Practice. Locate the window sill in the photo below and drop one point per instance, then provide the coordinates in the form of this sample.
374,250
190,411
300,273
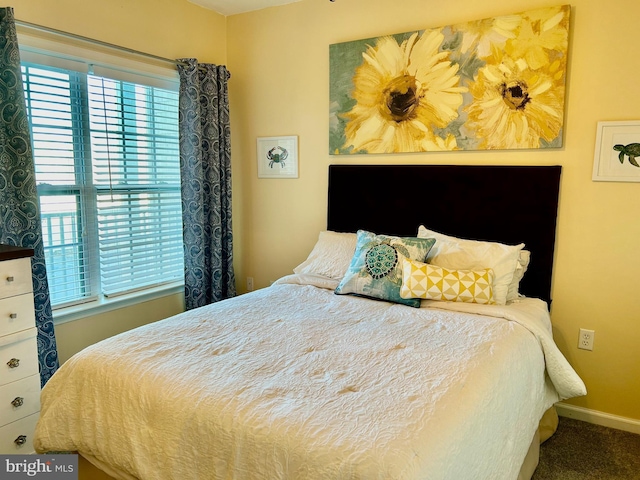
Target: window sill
103,305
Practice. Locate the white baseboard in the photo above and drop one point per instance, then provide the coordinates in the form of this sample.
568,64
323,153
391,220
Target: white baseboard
598,418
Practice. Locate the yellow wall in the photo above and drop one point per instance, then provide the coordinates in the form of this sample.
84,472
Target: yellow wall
166,28
279,59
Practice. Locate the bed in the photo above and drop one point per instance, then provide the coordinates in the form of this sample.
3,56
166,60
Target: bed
312,378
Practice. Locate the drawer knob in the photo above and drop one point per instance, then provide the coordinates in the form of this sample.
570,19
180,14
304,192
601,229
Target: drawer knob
17,402
13,315
10,279
21,440
14,363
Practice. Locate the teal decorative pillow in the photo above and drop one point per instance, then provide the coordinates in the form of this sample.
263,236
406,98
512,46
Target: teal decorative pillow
376,267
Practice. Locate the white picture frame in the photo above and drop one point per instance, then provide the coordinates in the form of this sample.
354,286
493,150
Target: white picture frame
613,140
277,157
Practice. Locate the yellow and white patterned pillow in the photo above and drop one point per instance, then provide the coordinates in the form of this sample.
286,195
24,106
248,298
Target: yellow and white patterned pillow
430,282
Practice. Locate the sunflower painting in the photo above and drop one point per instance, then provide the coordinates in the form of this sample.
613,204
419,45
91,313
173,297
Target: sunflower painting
497,83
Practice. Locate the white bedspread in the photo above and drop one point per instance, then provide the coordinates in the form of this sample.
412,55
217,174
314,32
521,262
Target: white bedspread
294,382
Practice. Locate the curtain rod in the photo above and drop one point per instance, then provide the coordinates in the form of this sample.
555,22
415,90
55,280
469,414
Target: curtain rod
96,42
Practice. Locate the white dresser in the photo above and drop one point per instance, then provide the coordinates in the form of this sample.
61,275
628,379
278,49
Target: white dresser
19,371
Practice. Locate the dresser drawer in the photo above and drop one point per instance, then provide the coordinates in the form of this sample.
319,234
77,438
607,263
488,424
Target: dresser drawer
19,349
10,435
16,313
15,277
19,399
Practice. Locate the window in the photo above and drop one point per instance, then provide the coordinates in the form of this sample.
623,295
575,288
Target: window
108,179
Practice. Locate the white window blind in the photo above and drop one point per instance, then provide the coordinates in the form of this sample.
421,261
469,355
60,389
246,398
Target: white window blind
107,170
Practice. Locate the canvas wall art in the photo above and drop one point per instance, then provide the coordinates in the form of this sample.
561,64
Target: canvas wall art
497,83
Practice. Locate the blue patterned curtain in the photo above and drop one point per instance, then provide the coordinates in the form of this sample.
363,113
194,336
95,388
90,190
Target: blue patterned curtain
19,210
205,169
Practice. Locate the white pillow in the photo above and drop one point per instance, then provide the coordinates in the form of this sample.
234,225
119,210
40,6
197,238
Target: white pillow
521,268
460,254
330,256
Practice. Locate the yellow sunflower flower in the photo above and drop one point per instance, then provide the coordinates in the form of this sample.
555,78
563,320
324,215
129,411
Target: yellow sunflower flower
402,92
543,31
515,106
439,144
482,34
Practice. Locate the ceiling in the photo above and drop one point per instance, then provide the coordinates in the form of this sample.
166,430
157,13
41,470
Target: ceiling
232,7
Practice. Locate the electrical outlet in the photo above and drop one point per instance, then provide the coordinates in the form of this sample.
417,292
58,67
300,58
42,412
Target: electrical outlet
249,284
585,341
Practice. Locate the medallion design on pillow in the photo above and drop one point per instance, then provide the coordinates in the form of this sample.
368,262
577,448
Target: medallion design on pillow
380,260
375,270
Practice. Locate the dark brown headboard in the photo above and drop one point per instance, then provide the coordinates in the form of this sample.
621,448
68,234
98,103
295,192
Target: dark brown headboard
504,204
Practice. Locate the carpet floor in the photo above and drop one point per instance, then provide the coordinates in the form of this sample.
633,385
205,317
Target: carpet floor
583,451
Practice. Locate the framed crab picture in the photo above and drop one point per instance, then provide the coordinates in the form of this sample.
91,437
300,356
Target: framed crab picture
278,157
617,155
